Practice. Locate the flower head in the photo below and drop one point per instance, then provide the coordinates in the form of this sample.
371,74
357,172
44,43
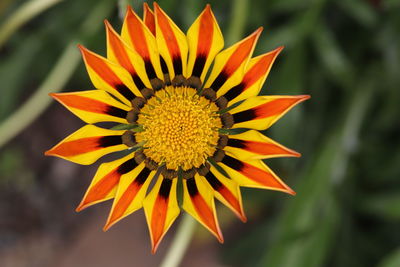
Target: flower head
177,121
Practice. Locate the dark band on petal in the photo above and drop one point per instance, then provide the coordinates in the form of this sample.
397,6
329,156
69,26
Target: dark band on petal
110,140
151,73
116,112
165,188
177,63
138,82
127,166
233,163
245,115
192,187
199,65
213,181
219,81
142,176
235,91
125,91
236,143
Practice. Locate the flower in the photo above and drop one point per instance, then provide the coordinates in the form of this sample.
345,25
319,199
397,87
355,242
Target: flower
176,121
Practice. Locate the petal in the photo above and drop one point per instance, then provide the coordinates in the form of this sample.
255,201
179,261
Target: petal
260,112
140,38
254,145
108,76
105,182
229,64
227,191
88,144
131,191
161,209
148,18
255,74
198,201
119,51
205,41
93,106
253,173
172,43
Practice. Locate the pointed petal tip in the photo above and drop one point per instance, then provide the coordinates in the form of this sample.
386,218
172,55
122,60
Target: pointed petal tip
107,23
290,191
296,154
242,217
146,7
110,222
279,49
220,238
154,246
49,152
83,205
81,47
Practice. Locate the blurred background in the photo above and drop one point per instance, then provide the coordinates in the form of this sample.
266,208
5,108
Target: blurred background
345,54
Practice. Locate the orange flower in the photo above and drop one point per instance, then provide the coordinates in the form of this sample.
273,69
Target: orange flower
177,124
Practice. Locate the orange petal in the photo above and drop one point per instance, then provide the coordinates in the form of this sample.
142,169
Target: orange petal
230,63
148,18
120,52
227,191
198,201
253,173
130,194
104,183
171,43
260,112
254,145
93,106
109,76
138,35
205,41
88,144
161,209
255,74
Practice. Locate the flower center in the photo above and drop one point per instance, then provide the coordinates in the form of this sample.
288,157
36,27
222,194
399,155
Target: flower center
180,128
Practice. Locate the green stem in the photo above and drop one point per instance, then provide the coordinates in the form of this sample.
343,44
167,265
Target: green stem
23,14
180,243
54,82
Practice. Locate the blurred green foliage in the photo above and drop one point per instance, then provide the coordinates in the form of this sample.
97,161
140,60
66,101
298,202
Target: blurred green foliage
345,54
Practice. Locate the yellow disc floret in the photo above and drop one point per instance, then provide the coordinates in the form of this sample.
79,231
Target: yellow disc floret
180,128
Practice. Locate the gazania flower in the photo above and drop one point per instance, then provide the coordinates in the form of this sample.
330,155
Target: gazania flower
176,121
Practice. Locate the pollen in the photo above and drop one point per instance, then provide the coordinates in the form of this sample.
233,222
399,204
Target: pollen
180,128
